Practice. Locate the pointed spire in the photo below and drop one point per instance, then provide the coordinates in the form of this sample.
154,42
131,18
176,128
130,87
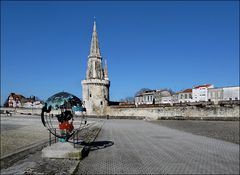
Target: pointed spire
105,70
94,50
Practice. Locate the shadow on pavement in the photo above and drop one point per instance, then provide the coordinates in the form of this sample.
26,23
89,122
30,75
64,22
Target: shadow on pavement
93,146
99,145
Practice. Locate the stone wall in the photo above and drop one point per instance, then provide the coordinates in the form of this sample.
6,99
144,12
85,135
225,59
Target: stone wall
26,111
155,113
176,112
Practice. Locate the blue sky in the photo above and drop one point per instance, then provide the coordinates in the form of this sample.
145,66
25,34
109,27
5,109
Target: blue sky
158,44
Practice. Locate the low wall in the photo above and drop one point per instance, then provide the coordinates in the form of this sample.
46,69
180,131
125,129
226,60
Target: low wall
176,112
27,111
155,113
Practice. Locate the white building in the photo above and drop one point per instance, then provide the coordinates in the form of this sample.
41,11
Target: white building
35,104
175,98
185,96
146,97
162,96
200,93
165,100
231,93
153,97
215,94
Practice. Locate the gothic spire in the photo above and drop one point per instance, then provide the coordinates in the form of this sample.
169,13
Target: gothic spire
94,51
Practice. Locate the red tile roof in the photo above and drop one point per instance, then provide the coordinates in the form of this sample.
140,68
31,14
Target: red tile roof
15,96
184,91
187,90
205,85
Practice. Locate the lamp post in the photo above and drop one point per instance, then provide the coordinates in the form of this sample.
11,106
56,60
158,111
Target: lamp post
32,107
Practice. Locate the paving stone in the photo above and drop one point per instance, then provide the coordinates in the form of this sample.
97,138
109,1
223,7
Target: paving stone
145,148
34,163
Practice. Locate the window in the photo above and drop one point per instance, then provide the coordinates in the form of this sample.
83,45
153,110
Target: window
101,103
185,96
104,93
90,95
190,96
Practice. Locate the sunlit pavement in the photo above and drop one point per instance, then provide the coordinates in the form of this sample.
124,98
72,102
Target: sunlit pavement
144,148
17,132
20,131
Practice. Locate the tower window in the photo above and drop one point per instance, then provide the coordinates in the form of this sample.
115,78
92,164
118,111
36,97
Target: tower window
90,95
101,103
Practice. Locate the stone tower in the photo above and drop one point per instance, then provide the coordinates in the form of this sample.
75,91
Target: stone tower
95,88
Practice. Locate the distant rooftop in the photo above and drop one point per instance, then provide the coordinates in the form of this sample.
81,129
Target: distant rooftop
205,85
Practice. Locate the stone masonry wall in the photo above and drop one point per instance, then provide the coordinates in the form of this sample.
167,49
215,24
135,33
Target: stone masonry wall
155,113
185,112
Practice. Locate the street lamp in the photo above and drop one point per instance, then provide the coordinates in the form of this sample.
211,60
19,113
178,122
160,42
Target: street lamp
32,107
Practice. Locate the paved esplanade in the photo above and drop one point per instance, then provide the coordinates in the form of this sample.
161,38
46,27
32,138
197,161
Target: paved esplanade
143,148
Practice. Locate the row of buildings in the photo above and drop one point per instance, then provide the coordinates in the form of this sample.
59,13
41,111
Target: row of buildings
17,101
201,93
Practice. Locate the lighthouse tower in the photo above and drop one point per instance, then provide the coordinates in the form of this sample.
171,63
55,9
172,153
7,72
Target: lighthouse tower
95,87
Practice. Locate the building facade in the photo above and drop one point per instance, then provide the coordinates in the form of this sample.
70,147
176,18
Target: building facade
19,101
215,95
153,97
162,96
95,88
175,98
167,100
200,93
231,93
146,97
14,100
185,96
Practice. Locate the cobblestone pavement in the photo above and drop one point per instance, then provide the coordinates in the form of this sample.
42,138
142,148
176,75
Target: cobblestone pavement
19,131
145,148
223,130
34,163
